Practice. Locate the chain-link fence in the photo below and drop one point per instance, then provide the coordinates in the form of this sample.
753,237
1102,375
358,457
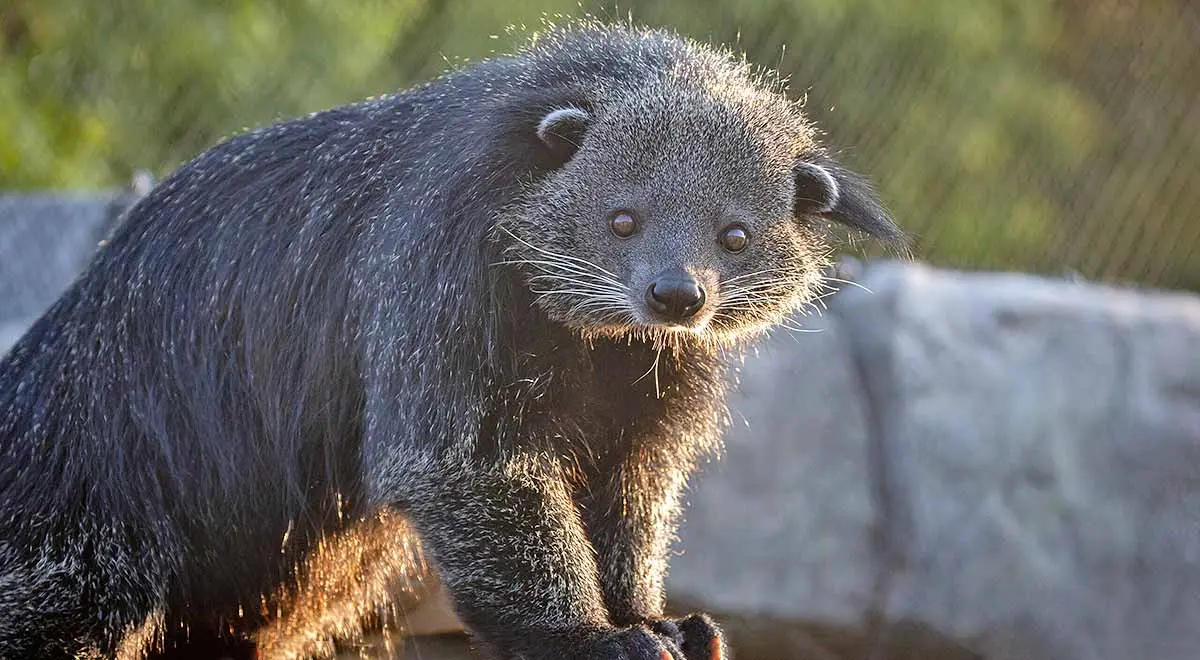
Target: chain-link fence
1051,136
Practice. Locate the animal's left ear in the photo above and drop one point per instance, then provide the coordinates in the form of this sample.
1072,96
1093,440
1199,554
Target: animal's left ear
539,130
561,131
829,190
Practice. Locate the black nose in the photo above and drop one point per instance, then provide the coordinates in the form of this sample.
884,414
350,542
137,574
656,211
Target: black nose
675,295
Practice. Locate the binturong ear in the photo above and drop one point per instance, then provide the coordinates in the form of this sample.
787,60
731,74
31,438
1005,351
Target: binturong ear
823,188
561,131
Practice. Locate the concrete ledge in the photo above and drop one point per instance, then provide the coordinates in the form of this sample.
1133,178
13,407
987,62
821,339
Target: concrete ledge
1011,461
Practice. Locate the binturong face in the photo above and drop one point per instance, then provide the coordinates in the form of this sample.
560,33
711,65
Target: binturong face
682,215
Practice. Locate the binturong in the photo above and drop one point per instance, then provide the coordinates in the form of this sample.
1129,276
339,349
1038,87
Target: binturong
490,315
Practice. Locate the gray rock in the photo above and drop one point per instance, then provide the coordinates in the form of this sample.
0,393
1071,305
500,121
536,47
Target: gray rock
1046,446
1028,469
799,437
45,241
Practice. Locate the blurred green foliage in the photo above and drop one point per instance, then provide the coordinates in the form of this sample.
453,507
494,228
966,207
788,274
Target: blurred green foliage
1045,135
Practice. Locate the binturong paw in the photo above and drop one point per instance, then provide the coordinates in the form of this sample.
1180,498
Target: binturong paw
636,643
696,635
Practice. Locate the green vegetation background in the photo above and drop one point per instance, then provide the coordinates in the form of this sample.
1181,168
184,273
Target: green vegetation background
1058,136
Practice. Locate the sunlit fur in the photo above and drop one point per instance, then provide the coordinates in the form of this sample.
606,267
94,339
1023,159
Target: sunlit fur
363,573
407,317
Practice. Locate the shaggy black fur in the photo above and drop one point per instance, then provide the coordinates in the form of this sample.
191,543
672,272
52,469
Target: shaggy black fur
315,322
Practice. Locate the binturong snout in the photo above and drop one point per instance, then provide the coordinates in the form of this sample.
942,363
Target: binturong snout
675,296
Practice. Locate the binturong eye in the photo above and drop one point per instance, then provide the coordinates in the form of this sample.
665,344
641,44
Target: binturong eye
734,238
623,224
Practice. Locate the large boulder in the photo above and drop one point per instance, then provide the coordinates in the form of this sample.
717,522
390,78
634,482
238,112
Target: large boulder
1010,464
45,241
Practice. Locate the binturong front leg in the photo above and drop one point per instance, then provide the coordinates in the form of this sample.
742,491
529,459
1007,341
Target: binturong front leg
509,543
631,514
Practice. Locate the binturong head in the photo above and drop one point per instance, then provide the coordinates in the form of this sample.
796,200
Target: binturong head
691,207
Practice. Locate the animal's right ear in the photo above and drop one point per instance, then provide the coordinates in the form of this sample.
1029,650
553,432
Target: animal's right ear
561,131
823,188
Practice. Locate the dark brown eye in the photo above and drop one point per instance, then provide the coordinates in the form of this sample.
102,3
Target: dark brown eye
623,224
735,238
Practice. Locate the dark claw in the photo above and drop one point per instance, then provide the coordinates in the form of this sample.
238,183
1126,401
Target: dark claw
702,639
696,635
667,628
637,643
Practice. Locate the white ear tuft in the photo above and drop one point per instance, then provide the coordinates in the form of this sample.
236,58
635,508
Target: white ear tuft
562,123
816,188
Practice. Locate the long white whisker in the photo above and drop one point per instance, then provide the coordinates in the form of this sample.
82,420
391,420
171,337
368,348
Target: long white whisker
577,292
653,368
834,279
556,254
600,284
560,267
791,328
757,272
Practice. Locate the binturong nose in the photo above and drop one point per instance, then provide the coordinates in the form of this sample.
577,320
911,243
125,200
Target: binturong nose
675,295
